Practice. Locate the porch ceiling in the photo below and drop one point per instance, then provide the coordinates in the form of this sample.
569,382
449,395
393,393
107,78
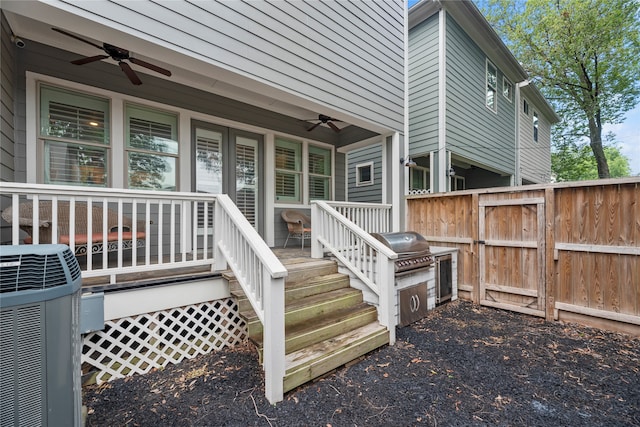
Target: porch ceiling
34,20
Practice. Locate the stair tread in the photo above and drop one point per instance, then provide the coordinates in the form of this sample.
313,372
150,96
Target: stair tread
309,301
308,355
339,316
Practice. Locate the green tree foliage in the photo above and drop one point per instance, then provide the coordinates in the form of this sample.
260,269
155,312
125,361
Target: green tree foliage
573,162
583,54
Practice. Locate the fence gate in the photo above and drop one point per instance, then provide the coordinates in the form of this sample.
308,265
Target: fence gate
511,253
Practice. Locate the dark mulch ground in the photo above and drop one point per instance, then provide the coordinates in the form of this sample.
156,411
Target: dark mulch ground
462,365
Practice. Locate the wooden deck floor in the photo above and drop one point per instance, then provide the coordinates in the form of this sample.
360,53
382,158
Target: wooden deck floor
165,276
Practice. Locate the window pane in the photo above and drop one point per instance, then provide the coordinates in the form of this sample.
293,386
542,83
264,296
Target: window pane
319,161
151,171
75,164
152,130
73,115
364,174
492,79
319,188
208,161
491,98
288,155
287,186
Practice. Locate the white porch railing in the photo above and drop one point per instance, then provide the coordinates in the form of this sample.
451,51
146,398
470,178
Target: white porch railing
262,277
152,230
145,230
367,258
371,217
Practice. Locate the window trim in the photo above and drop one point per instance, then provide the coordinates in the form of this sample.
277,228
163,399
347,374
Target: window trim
371,181
507,83
493,108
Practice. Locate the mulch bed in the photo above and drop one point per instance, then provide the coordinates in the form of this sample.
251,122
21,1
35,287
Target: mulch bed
461,365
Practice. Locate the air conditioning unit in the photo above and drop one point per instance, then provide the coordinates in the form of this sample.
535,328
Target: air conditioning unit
40,343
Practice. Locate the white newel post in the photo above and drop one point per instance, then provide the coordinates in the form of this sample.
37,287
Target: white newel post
220,262
316,230
274,338
387,296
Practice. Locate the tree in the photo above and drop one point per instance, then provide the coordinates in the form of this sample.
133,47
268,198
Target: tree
574,162
583,54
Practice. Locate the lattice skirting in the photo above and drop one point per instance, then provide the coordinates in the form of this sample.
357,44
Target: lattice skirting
138,344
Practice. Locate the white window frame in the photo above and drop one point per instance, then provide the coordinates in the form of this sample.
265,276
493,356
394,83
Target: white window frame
371,167
425,177
44,139
491,87
506,84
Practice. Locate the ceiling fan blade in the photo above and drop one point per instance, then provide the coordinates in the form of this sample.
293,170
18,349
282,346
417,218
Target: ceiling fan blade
89,59
334,127
130,73
313,127
77,38
150,66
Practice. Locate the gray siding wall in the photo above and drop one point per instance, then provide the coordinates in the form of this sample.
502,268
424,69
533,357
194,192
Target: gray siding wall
7,106
535,157
474,131
347,55
423,87
367,193
8,149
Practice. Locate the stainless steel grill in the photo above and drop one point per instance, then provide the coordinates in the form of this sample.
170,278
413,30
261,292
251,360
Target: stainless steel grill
412,249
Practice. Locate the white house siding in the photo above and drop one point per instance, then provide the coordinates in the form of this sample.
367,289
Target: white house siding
473,131
367,193
535,160
423,87
345,55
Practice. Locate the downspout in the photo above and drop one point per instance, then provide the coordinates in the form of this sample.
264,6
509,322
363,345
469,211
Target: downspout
517,175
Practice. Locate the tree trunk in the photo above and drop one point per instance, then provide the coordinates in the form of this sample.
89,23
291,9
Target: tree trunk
595,134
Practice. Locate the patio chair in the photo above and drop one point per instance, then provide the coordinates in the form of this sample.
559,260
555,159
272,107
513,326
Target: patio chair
45,229
298,225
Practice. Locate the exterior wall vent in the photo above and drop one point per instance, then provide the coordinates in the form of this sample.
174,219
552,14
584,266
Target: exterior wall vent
40,343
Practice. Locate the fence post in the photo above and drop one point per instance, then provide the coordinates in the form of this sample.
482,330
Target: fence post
273,337
549,274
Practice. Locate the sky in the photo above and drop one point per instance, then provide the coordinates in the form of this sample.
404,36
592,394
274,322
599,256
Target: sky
627,133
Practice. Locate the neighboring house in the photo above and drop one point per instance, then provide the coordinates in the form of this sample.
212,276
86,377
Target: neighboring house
475,121
248,79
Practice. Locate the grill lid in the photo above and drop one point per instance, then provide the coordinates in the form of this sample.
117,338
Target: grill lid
405,244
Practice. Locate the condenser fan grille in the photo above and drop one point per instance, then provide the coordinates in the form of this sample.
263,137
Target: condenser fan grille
34,271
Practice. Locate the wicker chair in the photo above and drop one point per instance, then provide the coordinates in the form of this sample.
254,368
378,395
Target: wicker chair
45,222
298,224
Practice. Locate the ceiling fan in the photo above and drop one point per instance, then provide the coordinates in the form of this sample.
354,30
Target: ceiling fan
322,119
119,55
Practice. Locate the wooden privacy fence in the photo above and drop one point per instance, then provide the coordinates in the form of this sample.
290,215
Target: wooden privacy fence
566,251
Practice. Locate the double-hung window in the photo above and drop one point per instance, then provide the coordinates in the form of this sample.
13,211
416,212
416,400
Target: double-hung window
75,129
319,173
291,176
152,148
288,171
492,87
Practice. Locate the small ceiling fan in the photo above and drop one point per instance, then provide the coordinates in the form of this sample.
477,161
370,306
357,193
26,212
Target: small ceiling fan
119,55
322,119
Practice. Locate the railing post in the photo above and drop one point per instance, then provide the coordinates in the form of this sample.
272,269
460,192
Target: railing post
273,337
219,261
386,282
316,230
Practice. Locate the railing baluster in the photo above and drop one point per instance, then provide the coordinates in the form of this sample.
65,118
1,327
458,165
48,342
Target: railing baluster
172,231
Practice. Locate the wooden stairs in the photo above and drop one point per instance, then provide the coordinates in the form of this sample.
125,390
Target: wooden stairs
327,324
